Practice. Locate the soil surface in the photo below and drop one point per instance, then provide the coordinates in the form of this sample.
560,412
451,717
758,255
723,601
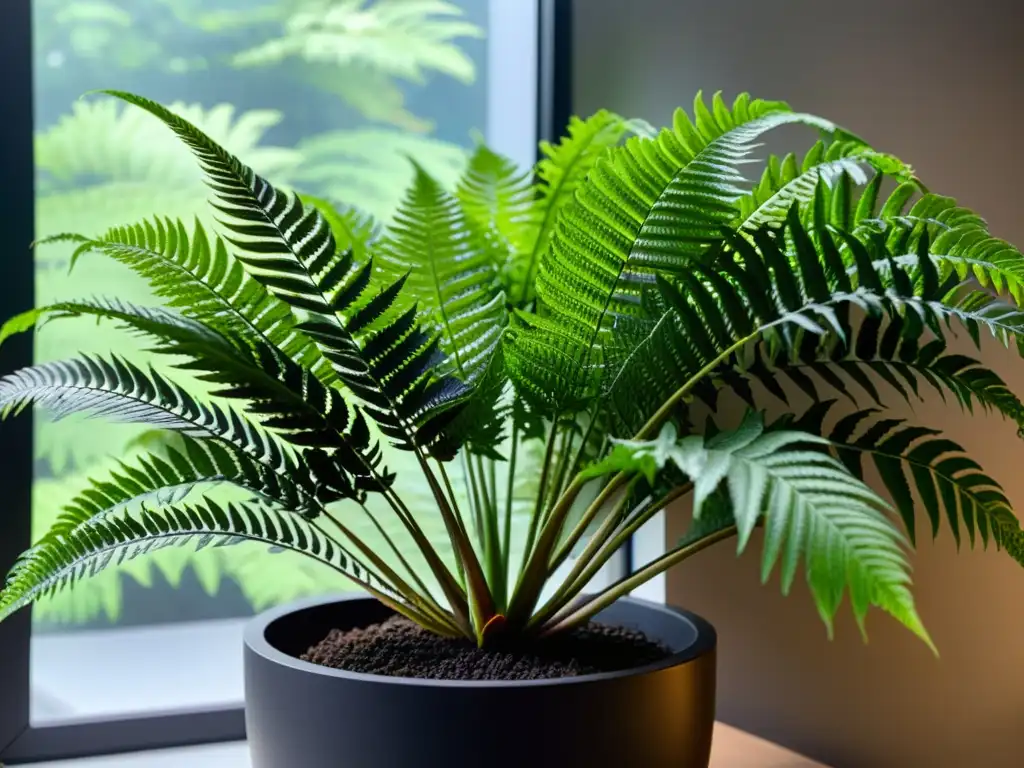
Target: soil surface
399,648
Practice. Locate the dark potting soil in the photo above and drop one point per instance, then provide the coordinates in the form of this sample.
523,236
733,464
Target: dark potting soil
399,648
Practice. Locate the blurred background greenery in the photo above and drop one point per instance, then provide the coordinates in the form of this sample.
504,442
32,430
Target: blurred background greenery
330,96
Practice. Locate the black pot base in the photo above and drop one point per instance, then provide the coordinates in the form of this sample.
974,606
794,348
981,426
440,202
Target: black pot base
309,716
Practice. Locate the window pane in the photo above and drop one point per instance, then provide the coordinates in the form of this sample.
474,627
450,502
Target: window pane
328,96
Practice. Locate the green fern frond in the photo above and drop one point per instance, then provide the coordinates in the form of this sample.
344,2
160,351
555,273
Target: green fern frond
453,283
291,250
917,460
884,349
114,388
448,276
903,211
201,279
119,390
561,170
793,269
617,236
353,229
282,395
812,508
497,201
969,253
789,180
155,322
170,479
957,238
496,195
93,546
749,292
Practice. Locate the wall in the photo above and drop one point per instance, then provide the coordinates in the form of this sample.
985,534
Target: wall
938,84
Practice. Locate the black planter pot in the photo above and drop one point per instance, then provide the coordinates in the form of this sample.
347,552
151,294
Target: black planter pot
302,715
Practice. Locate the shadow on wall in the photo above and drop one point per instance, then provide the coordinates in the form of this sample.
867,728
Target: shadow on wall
933,83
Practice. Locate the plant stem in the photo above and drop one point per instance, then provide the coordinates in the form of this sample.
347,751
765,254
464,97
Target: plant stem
446,629
397,552
535,573
492,543
585,567
538,505
456,596
593,558
475,502
437,566
386,572
570,617
588,516
493,518
653,424
460,571
423,602
506,545
481,603
575,466
558,484
451,494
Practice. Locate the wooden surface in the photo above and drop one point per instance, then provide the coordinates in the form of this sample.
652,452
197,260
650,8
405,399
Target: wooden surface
733,748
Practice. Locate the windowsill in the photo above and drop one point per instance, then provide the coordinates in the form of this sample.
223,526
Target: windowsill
133,671
732,749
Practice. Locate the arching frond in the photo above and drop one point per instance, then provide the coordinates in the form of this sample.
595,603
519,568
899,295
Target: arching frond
169,479
93,546
957,238
114,388
282,395
812,508
496,195
289,248
200,279
353,229
689,340
913,460
447,275
788,180
451,286
119,390
497,201
155,322
748,291
560,172
651,206
750,286
884,351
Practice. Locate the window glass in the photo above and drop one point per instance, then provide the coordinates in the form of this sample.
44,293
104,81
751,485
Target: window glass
329,96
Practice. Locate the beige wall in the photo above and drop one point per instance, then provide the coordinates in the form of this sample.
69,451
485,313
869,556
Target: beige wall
938,83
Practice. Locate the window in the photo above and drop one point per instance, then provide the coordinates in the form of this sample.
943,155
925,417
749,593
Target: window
332,102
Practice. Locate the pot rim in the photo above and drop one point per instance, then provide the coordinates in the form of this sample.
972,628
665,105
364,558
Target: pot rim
255,640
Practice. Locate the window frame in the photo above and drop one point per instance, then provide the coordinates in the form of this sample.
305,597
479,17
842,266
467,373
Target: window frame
20,741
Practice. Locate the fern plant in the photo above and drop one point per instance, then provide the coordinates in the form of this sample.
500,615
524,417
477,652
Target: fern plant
542,348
